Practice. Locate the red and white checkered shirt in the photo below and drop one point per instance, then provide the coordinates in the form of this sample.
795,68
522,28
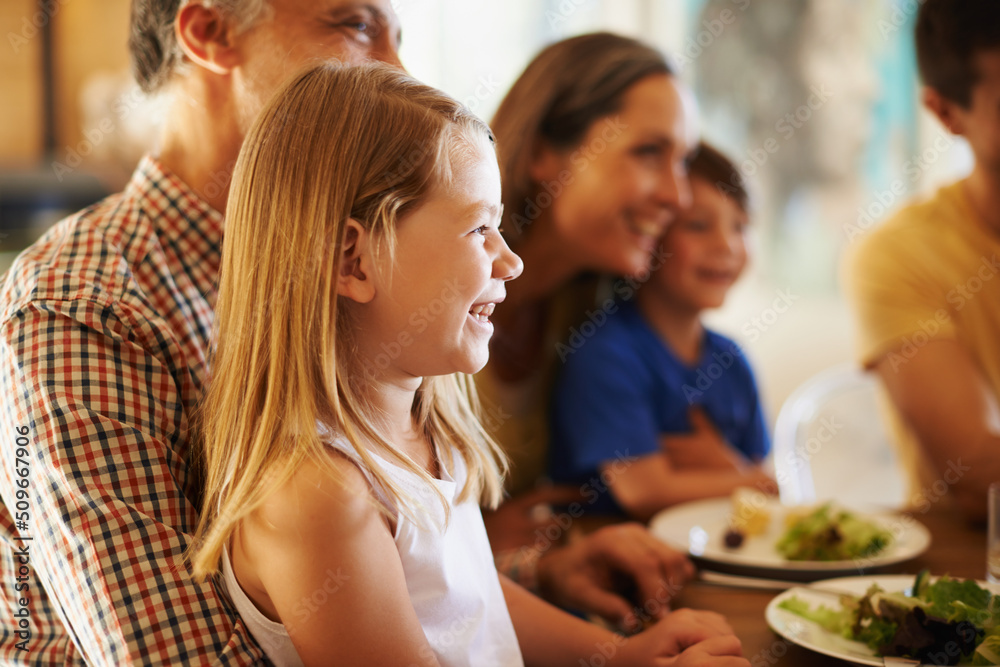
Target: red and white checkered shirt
104,337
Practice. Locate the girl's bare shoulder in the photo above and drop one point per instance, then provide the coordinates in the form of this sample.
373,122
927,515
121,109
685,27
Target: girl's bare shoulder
333,494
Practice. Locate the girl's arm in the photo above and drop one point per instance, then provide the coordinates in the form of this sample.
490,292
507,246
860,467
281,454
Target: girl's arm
550,637
328,568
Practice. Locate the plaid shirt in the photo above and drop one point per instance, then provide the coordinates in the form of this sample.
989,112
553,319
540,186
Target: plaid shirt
104,335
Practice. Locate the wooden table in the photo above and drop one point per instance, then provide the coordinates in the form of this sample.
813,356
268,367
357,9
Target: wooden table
957,548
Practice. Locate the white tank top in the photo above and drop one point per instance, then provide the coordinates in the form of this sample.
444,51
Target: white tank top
450,576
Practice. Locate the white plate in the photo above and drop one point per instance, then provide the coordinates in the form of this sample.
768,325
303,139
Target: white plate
809,635
698,528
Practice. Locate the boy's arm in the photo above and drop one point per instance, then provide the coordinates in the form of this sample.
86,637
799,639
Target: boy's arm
103,465
551,638
943,397
651,483
703,448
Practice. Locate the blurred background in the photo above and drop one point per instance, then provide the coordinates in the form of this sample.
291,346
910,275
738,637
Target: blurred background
816,100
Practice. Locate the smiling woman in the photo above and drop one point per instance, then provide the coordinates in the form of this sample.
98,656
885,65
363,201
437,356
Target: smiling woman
593,139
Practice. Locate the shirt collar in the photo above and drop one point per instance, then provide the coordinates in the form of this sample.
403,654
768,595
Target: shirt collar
176,207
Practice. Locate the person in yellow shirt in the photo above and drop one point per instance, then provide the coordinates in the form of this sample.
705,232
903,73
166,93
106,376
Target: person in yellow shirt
926,284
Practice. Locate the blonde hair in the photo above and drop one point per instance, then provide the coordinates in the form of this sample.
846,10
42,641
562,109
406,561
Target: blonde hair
366,143
566,88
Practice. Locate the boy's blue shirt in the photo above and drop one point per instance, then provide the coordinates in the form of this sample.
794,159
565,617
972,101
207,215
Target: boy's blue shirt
624,388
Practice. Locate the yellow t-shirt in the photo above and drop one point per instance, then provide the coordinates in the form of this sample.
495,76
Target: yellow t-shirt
932,272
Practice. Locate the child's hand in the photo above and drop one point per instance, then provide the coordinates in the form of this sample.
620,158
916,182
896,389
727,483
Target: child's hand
703,448
684,638
716,652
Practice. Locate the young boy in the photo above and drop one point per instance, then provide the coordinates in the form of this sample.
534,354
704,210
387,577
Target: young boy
925,286
654,406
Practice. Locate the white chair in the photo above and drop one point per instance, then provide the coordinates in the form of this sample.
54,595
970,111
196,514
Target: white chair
830,443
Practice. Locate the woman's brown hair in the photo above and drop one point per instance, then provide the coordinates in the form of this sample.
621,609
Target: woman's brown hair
563,91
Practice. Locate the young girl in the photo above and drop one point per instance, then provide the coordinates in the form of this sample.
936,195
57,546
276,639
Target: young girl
343,456
662,408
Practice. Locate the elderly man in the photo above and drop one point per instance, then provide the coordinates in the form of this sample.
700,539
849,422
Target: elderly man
104,337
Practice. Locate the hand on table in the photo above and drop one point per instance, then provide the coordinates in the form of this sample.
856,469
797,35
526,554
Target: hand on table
685,638
585,574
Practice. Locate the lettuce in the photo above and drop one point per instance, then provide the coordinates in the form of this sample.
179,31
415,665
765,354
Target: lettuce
946,595
832,534
988,651
838,621
947,622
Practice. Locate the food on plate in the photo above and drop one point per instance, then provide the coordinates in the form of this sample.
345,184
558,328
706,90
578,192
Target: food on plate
749,516
733,539
830,533
947,622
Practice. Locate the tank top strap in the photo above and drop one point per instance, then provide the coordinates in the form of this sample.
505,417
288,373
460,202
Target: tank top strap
343,446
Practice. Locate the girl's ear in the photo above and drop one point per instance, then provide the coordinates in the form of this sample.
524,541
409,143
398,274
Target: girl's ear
356,280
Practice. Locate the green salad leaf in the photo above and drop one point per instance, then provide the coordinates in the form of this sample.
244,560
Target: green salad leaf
834,620
947,622
988,651
829,533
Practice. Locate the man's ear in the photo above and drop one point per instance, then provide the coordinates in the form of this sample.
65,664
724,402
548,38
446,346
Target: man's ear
356,280
206,37
948,112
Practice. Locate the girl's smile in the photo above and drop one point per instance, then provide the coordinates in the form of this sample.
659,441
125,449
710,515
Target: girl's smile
451,263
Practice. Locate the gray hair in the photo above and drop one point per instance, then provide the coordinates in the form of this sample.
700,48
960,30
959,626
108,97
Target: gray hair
153,43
